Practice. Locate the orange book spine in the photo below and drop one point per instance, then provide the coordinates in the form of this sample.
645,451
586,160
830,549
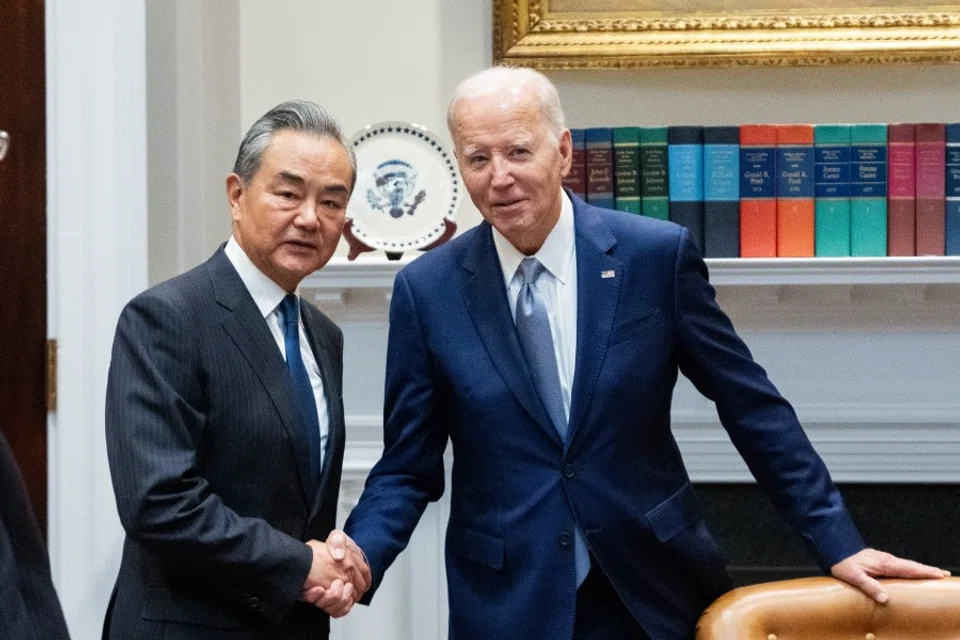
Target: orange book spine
795,191
758,195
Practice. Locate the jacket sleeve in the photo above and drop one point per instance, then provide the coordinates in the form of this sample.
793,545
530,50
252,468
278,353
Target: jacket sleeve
760,422
410,473
154,429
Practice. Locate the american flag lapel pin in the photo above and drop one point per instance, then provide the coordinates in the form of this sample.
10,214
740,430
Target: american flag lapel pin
609,273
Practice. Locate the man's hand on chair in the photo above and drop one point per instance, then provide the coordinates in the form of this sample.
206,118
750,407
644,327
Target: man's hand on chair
862,570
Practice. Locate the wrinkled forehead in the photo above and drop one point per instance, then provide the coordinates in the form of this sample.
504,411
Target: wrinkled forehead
502,100
510,115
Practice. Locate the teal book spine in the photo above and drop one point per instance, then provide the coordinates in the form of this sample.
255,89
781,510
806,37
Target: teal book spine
832,189
654,196
685,164
626,169
868,190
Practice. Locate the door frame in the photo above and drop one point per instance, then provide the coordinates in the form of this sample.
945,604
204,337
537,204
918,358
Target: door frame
97,260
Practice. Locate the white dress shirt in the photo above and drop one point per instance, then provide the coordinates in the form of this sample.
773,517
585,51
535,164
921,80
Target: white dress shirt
557,285
268,295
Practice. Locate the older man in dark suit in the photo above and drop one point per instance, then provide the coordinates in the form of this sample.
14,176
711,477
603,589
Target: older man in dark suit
224,423
29,608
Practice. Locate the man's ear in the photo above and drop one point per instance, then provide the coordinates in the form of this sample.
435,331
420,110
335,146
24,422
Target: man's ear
234,187
566,152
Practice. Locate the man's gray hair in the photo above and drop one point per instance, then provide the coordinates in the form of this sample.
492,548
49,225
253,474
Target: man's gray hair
294,115
514,80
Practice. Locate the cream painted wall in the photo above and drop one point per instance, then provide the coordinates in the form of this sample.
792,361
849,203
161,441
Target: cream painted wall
365,61
193,128
737,96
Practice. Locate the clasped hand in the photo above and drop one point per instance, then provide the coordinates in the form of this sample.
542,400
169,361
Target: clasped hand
339,575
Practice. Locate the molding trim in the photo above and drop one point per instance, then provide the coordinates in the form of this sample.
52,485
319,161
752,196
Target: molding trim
341,274
908,443
97,256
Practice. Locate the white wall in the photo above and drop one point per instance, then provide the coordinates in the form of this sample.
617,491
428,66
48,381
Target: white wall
96,247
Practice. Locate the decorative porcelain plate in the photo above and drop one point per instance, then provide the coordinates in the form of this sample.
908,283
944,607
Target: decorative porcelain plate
407,191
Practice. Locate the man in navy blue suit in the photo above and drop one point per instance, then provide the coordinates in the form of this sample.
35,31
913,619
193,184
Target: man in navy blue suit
544,344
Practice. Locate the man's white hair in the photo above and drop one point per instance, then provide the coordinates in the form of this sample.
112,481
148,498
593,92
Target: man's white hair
515,81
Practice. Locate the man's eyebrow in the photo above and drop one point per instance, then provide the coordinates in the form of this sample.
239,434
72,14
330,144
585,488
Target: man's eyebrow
291,177
335,188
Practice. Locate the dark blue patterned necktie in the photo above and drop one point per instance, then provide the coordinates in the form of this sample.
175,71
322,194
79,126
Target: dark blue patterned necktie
533,328
303,390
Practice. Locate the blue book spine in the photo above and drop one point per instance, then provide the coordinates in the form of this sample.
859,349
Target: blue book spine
795,168
758,168
832,178
952,222
685,179
721,192
599,144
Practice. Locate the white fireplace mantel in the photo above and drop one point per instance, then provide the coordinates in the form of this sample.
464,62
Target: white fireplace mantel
378,272
865,348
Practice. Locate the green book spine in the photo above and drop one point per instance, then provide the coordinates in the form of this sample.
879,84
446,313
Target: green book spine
832,189
832,228
868,190
626,169
654,187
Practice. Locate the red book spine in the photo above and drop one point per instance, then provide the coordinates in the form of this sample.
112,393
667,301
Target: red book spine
795,191
758,196
576,179
931,179
902,190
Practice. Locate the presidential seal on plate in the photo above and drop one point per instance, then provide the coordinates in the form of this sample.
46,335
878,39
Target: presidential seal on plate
407,190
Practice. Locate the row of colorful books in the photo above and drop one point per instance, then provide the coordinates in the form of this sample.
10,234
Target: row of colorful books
768,190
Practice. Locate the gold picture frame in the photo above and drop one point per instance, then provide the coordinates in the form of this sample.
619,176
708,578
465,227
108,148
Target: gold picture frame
578,34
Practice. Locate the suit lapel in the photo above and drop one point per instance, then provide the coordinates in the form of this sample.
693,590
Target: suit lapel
596,304
487,303
250,333
335,434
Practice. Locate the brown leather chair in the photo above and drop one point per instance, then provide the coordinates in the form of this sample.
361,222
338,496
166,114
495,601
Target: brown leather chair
827,609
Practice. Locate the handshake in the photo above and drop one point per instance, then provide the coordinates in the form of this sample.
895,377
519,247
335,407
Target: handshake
339,574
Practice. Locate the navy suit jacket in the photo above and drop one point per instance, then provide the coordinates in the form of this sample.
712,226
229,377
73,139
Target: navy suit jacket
209,461
455,370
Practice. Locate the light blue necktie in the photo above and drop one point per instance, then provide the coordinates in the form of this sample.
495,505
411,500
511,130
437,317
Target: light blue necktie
303,390
533,328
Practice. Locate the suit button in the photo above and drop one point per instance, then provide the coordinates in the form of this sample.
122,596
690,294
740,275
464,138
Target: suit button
565,539
569,471
254,600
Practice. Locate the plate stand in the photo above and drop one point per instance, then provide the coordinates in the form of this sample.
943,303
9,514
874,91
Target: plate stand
357,246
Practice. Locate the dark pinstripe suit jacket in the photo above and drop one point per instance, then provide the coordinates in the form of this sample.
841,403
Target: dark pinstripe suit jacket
208,460
29,608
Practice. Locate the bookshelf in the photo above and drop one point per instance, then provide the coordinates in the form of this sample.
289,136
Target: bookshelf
341,274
